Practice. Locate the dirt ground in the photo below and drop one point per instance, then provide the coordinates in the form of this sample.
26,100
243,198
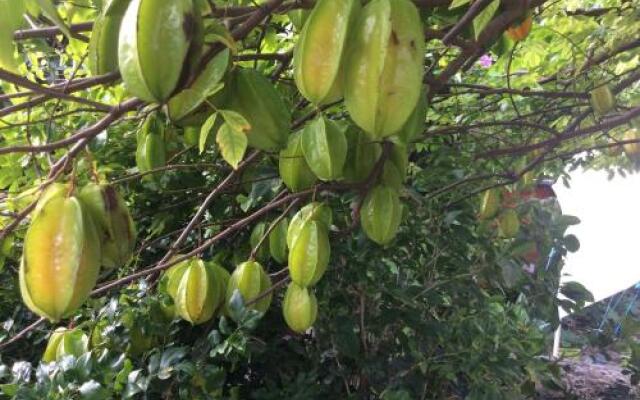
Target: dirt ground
594,376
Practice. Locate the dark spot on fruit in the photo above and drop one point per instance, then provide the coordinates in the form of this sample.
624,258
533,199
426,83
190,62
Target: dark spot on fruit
110,198
394,38
412,44
188,25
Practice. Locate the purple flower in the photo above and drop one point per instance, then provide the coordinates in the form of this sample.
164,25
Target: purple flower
486,61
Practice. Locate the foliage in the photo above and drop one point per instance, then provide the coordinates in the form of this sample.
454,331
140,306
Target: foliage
449,308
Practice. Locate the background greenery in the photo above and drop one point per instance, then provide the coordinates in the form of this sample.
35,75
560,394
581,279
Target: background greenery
445,311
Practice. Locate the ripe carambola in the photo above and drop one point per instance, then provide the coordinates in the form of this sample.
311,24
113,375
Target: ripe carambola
250,280
318,56
602,100
381,214
324,146
113,220
254,96
384,66
299,308
294,170
309,256
65,342
154,43
103,46
489,204
311,212
61,256
195,289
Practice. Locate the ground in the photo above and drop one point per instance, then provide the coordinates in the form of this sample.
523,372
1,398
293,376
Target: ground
594,375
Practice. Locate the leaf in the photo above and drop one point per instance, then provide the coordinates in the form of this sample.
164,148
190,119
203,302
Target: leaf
51,12
205,130
236,121
233,144
32,6
482,19
571,243
10,20
206,84
458,3
216,32
92,390
576,292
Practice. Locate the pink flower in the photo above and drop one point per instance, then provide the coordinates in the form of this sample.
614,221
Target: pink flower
486,61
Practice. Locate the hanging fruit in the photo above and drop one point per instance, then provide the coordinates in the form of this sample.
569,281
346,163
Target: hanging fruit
61,255
255,97
278,241
222,276
384,66
155,42
381,214
394,172
509,223
362,155
489,204
151,152
318,56
294,170
300,308
311,212
415,125
250,280
309,256
65,342
195,290
113,220
602,100
520,30
324,146
103,45
257,233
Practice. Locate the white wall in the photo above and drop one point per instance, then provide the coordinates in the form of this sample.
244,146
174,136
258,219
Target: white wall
609,257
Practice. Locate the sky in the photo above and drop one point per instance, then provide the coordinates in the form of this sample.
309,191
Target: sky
608,260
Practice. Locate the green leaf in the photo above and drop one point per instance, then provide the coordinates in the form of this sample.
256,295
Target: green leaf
207,84
51,12
233,144
205,130
458,3
236,121
10,20
32,6
571,243
216,32
482,19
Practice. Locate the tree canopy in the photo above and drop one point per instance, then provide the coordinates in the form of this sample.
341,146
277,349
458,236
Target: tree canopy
298,199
